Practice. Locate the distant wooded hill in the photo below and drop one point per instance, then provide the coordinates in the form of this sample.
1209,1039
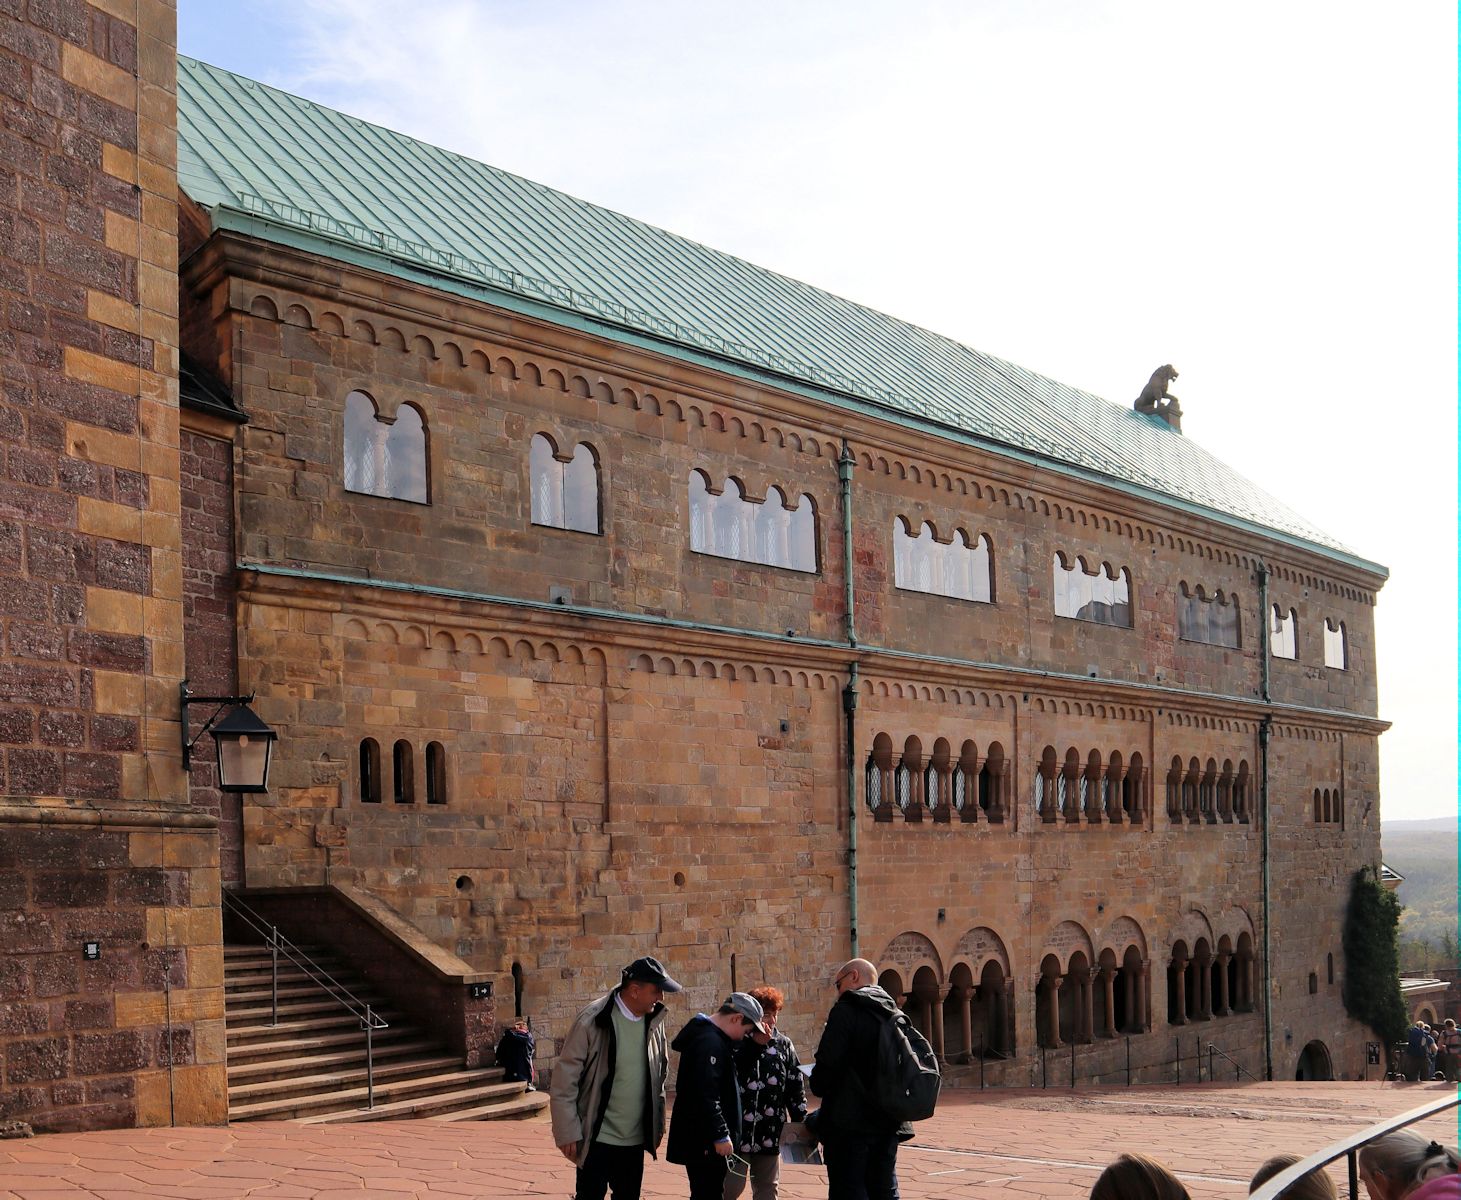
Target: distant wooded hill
1425,853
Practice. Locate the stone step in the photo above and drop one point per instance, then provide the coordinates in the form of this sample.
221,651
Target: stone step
252,1015
422,1089
304,1028
514,1108
232,950
285,1045
303,989
294,1064
237,982
426,1105
352,1076
253,971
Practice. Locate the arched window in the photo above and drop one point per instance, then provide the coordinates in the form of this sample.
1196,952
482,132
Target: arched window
435,773
958,568
369,771
384,458
728,525
1211,619
1329,965
1102,597
880,789
1283,633
403,761
1313,983
1336,651
1174,789
565,492
1131,790
906,780
1240,792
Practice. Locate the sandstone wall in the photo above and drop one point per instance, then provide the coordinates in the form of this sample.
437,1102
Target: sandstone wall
657,762
95,841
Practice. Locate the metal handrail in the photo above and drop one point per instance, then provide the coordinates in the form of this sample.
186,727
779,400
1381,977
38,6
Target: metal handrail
1349,1148
1239,1070
370,1021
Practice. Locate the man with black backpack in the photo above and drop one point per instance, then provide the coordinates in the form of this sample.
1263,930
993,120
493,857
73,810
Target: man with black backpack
874,1073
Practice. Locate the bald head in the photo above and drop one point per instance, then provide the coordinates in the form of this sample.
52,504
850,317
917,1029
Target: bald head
855,973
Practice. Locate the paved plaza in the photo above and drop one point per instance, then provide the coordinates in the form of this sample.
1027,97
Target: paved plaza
1005,1143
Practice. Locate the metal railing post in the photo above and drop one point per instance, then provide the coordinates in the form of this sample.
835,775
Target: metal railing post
1354,1174
1178,1041
1044,1066
1128,1062
1072,1064
273,975
369,1059
1210,1075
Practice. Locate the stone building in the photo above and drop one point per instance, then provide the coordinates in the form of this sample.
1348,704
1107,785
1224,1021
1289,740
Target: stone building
612,595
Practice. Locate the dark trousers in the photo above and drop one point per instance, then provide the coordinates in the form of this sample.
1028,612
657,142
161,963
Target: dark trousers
862,1168
619,1169
707,1177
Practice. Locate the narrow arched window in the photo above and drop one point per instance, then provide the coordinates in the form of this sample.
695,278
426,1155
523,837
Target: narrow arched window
1336,654
1330,967
565,492
403,762
369,771
384,458
1283,633
435,773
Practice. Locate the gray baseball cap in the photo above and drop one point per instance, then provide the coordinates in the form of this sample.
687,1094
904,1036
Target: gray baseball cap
748,1006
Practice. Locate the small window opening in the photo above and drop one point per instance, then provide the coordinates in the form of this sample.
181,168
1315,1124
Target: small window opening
369,771
435,773
404,763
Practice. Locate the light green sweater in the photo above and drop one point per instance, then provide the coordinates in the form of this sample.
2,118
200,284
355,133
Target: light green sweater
624,1115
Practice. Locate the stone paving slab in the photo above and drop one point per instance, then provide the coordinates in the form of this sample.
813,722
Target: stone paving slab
1008,1143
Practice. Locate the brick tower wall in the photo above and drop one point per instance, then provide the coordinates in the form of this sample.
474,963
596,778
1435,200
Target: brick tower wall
96,842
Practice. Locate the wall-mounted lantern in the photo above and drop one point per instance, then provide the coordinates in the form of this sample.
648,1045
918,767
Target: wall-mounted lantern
244,743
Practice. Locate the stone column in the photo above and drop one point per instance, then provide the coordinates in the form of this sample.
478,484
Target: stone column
1086,999
965,996
1204,988
1179,976
1144,997
1052,1008
1224,1001
936,1018
1108,986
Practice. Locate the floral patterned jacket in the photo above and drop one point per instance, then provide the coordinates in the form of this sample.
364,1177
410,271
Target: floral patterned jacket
772,1086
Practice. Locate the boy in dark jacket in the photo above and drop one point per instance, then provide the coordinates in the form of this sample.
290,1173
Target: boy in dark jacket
859,1142
707,1099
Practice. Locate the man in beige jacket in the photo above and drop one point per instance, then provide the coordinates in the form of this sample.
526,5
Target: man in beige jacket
608,1089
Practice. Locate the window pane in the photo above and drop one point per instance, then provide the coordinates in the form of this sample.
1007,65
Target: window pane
360,443
581,491
405,457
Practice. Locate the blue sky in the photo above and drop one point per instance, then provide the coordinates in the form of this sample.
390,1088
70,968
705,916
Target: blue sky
1263,195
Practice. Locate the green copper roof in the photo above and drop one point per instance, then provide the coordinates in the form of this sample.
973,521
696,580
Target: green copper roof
295,171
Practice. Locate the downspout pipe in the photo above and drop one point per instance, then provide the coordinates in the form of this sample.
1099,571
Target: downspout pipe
845,464
1265,730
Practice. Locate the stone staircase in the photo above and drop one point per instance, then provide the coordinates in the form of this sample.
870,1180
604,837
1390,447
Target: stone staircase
310,1067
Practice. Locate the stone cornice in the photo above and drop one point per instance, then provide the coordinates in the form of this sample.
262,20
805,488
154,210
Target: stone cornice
278,586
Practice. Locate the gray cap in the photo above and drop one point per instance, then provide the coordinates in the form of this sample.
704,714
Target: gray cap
748,1006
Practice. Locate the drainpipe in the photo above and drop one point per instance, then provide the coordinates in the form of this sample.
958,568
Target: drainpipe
1264,733
845,463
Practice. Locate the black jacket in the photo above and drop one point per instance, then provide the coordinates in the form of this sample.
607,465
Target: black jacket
515,1056
707,1100
844,1075
771,1087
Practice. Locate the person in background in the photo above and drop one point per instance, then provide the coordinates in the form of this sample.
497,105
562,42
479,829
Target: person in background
1450,1060
707,1101
608,1089
515,1054
1403,1166
1137,1177
1412,1062
1316,1185
772,1089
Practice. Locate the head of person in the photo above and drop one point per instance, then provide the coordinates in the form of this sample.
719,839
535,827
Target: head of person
1450,1024
739,1015
1396,1164
521,1024
856,973
643,984
1137,1177
772,1001
1316,1185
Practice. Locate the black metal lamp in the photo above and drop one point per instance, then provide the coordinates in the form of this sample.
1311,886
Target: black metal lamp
245,744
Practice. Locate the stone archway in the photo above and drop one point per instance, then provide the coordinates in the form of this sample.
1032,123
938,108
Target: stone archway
1315,1063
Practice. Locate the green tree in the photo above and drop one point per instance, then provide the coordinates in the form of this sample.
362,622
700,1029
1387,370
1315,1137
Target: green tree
1372,958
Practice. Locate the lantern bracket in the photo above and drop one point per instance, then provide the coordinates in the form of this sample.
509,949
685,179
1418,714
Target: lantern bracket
186,698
